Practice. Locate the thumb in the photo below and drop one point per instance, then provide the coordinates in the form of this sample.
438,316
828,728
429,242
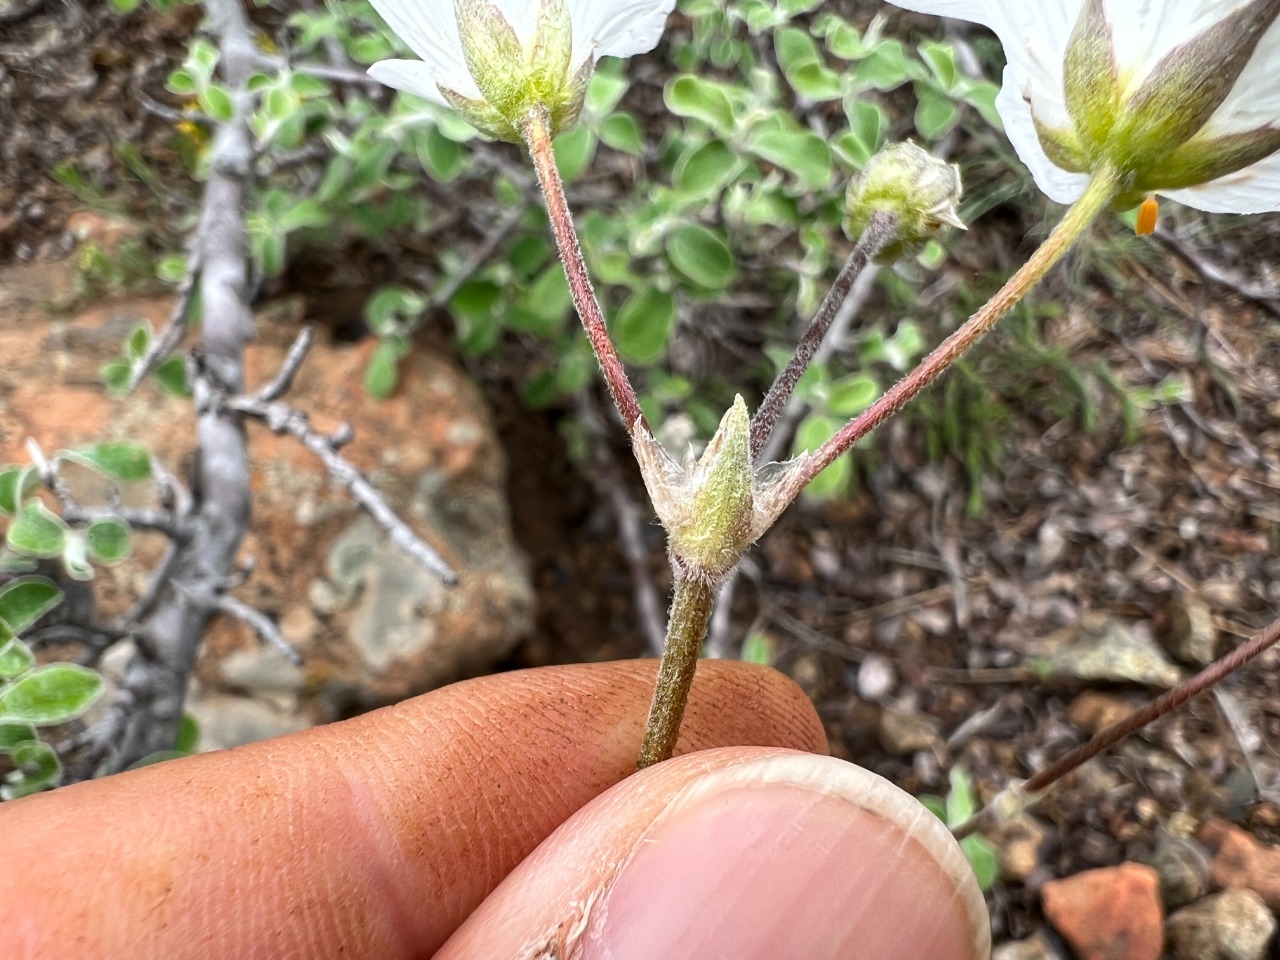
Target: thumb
743,853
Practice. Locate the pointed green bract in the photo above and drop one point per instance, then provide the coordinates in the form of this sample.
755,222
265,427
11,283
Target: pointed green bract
1091,81
516,81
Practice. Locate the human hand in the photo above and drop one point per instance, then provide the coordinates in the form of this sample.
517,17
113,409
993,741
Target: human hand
386,835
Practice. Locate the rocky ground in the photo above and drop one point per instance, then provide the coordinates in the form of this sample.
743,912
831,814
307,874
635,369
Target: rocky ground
1102,565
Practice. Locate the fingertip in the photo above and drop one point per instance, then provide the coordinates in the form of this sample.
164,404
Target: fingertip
746,853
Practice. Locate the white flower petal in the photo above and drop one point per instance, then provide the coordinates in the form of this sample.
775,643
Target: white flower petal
616,28
523,17
1255,189
1146,30
430,28
1034,36
1254,101
414,76
1058,184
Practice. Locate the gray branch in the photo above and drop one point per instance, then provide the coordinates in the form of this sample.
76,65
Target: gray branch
147,711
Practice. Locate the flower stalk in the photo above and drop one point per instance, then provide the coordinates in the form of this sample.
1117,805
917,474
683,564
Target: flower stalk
691,607
1104,186
880,230
537,137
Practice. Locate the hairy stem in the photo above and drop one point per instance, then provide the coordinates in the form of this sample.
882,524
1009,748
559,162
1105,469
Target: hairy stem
687,624
880,230
537,137
1102,189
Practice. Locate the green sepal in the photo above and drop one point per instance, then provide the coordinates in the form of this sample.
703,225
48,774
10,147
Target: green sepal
1090,82
1189,83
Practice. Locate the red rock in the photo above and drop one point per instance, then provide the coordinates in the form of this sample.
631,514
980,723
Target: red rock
1241,861
1109,914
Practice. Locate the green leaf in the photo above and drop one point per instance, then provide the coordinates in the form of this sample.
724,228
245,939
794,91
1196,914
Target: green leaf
172,269
305,215
12,734
982,857
125,6
383,372
16,484
643,326
804,154
440,156
36,532
24,600
115,374
706,170
172,375
16,657
181,82
702,255
852,394
139,340
620,131
121,460
699,99
188,734
936,114
109,540
813,432
574,151
941,58
759,647
54,693
886,67
216,102
38,767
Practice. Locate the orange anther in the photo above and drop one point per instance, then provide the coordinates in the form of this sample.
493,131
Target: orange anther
1147,214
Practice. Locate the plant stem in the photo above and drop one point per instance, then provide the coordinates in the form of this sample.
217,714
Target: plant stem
1103,187
537,137
687,624
880,230
1211,675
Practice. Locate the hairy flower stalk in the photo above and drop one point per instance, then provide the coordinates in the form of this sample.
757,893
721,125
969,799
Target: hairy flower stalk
537,136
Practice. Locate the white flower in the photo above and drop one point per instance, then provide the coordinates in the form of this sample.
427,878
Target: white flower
444,33
1181,96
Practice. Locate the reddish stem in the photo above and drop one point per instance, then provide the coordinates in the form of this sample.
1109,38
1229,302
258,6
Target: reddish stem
538,139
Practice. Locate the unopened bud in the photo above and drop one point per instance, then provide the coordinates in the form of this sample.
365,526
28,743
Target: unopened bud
917,189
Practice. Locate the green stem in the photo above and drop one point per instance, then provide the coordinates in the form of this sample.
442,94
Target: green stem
1102,189
687,624
537,136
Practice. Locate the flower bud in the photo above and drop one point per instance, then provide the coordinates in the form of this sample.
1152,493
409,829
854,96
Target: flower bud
919,190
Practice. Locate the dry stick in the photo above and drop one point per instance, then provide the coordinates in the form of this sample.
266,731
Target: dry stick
1158,707
880,230
538,139
686,628
1101,190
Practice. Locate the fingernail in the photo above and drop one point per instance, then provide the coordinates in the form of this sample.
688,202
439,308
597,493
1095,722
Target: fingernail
791,857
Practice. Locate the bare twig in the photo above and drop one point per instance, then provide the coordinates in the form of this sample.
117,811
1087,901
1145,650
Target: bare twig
259,623
283,419
1022,794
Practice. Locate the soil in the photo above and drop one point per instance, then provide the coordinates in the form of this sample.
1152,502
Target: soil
1078,518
